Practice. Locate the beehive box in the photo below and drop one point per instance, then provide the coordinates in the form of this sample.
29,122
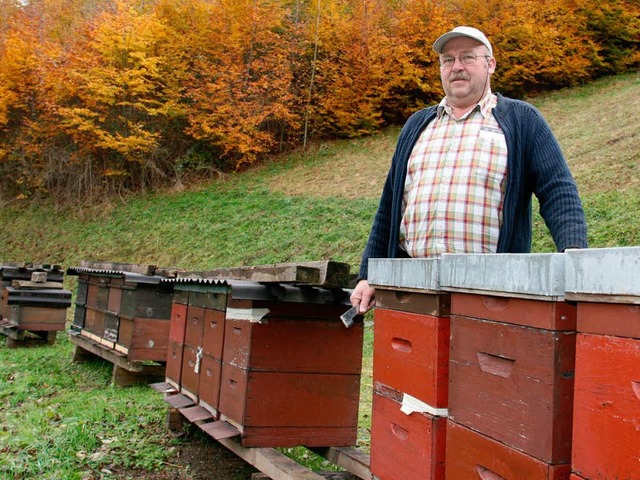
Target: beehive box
36,307
411,354
125,308
606,431
272,359
512,351
405,444
411,328
32,306
471,454
196,339
410,369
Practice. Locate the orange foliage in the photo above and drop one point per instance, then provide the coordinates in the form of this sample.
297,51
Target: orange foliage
123,93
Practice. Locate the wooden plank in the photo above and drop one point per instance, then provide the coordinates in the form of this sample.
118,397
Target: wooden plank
271,462
320,273
619,320
179,401
18,338
590,297
30,285
325,475
11,331
436,304
219,429
196,414
119,267
267,273
163,387
351,459
110,355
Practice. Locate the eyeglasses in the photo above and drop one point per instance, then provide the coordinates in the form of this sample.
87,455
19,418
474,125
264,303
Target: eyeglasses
466,59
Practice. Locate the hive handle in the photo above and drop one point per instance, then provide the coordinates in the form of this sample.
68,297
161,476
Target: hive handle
495,364
401,345
399,432
486,474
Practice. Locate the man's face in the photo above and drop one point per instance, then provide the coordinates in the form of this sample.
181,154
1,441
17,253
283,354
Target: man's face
464,84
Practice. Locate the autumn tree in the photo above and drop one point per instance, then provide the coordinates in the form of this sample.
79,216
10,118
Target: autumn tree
104,95
237,87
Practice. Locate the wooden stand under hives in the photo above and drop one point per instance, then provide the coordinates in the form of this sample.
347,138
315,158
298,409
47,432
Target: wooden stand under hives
272,463
125,372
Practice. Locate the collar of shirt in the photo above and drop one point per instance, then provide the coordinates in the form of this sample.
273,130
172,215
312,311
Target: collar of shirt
484,106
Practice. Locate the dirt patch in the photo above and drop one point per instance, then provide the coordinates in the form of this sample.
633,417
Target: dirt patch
202,458
198,457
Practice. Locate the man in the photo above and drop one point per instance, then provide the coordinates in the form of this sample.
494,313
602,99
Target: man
464,172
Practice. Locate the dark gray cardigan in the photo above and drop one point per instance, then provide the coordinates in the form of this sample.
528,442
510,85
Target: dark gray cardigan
535,166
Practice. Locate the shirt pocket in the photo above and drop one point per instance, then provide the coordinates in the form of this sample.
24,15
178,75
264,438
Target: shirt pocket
490,160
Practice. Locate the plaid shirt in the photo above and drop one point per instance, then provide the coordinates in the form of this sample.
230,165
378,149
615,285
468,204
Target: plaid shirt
455,184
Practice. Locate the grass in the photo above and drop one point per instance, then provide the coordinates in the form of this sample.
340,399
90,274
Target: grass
63,420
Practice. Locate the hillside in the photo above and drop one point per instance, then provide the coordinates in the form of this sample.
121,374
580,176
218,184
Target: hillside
319,203
61,420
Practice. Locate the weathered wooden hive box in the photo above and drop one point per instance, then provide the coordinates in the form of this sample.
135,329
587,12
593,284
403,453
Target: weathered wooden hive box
410,369
511,370
605,283
261,352
33,300
125,308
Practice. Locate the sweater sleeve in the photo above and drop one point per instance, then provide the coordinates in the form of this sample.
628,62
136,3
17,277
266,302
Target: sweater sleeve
556,189
378,243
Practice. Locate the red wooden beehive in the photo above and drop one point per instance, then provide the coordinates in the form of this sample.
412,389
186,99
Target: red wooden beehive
512,351
472,455
513,384
294,377
410,370
404,444
271,359
411,354
606,431
196,337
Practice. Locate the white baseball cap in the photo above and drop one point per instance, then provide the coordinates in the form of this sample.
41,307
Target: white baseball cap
470,32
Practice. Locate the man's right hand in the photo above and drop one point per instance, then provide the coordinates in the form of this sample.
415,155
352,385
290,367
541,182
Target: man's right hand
363,296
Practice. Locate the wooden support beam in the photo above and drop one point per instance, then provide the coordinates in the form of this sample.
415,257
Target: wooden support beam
325,475
122,377
351,459
271,462
110,355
